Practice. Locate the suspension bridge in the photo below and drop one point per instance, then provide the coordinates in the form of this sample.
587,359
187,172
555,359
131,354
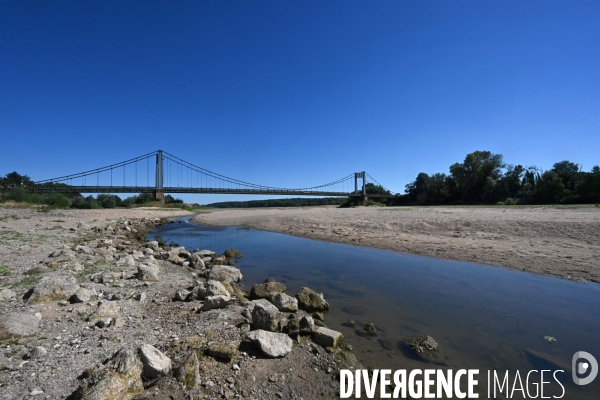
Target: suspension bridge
162,173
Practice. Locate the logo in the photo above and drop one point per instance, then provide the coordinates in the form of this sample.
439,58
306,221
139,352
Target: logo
581,368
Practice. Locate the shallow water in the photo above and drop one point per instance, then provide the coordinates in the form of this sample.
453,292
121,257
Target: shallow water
482,317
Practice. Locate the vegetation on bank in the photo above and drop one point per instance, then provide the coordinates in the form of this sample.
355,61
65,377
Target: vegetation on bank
484,178
20,194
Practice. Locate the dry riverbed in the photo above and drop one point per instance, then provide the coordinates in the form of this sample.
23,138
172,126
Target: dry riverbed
556,241
90,310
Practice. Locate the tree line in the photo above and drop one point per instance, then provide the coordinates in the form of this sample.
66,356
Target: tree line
484,178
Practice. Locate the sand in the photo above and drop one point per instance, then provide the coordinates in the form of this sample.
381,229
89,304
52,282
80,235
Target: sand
556,241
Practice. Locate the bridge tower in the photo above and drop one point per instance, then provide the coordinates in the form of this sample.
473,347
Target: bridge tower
363,197
159,191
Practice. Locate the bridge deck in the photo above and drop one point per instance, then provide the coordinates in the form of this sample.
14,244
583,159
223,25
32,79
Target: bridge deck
166,190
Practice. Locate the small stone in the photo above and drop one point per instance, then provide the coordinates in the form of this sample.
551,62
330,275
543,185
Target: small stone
213,302
36,352
154,362
327,337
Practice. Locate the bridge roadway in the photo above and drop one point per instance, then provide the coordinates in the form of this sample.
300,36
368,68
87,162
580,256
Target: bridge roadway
169,190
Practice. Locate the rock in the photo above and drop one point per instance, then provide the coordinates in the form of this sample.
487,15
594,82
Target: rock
84,250
82,225
224,350
369,329
196,261
155,363
106,311
318,316
423,343
206,253
18,324
327,337
125,262
36,352
54,288
265,315
307,325
283,302
270,343
141,297
153,244
137,254
175,259
121,379
148,272
84,295
262,290
210,288
189,372
213,302
293,326
225,273
182,295
229,288
310,301
7,295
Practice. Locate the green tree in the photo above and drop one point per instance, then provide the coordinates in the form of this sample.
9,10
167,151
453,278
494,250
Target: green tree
14,178
568,173
549,188
478,170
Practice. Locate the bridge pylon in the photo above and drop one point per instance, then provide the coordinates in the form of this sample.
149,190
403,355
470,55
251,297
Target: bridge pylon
363,193
159,191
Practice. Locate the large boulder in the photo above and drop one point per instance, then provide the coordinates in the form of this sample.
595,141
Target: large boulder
121,379
265,315
210,288
270,343
18,324
283,302
225,273
148,272
262,290
155,363
54,288
310,301
327,337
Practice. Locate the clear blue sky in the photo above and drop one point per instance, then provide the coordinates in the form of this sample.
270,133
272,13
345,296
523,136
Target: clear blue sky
296,94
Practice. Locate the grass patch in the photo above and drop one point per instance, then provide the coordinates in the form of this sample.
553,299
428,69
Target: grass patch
4,270
29,281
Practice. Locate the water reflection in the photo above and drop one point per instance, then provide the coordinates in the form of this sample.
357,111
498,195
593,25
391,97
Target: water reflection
482,317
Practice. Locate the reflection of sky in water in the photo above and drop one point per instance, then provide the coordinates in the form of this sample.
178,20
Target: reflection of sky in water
482,317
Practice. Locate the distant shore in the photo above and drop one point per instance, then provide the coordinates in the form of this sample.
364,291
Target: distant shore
556,241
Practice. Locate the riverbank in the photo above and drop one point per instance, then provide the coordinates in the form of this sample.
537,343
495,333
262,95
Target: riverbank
556,241
88,307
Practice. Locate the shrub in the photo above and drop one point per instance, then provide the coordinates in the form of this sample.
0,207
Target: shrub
58,200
